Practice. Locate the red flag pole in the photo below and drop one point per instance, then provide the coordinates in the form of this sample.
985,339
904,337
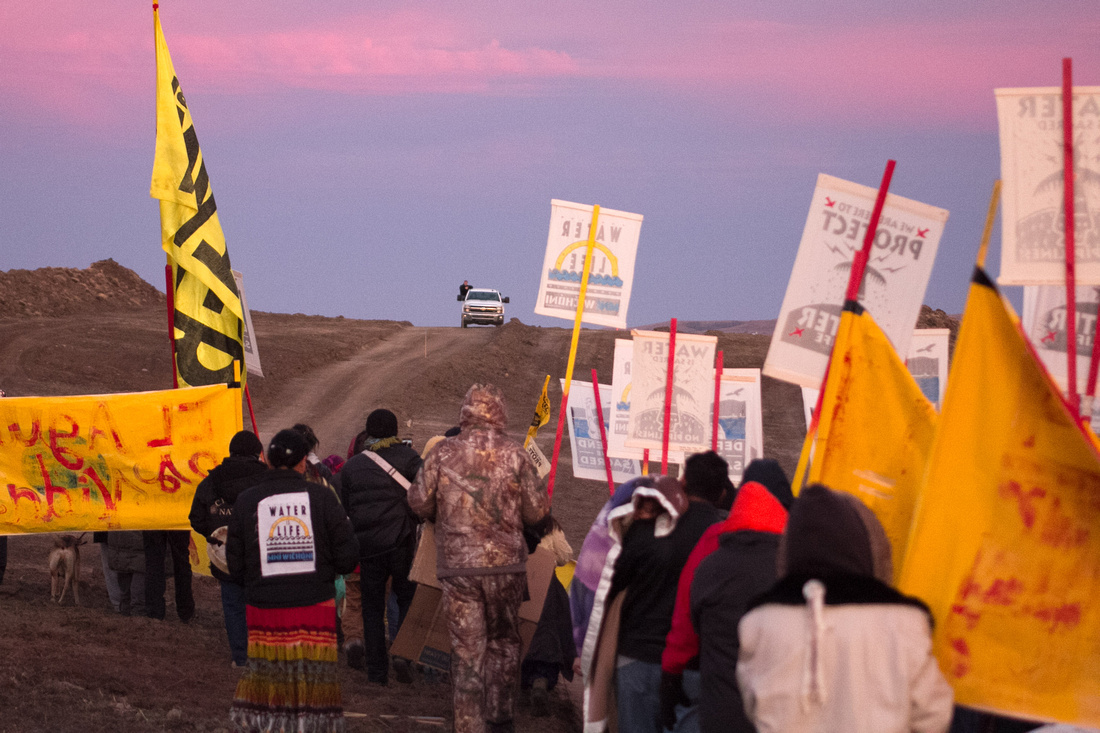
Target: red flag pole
1071,265
171,293
717,395
251,414
668,395
603,432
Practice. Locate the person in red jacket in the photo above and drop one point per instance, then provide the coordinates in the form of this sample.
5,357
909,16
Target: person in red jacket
761,506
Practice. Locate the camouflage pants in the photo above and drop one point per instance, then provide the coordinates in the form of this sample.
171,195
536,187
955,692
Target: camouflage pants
483,618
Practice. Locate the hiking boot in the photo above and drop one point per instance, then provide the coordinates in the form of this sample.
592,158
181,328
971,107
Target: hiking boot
540,698
402,670
357,655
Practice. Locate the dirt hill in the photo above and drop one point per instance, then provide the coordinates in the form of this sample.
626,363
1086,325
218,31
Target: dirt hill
103,330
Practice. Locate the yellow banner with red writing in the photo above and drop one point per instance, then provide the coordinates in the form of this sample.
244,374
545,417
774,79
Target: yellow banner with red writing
1005,544
109,462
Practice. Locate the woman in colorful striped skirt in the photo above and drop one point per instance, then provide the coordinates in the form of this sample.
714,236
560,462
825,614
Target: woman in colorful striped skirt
287,542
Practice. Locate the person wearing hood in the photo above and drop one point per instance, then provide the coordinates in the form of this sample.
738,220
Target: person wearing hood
832,646
211,512
481,489
733,562
374,491
288,540
647,572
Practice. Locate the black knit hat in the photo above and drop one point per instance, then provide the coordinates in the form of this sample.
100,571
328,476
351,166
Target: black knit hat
381,424
768,472
287,449
706,475
246,445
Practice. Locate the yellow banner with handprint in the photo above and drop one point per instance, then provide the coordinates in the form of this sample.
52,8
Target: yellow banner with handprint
106,462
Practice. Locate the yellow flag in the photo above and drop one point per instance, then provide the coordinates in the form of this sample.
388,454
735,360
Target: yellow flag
542,413
1005,546
209,319
875,429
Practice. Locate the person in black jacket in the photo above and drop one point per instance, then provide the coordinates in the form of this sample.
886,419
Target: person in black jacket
288,540
375,495
211,510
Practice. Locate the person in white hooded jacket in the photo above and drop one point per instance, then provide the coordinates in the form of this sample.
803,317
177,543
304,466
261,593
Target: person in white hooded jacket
832,646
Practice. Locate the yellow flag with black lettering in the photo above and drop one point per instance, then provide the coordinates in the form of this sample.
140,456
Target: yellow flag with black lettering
1005,545
542,413
209,319
875,429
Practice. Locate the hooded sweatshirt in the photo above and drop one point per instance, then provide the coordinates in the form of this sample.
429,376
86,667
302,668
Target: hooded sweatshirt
832,646
480,489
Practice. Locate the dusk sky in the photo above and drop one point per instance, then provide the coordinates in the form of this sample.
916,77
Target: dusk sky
366,158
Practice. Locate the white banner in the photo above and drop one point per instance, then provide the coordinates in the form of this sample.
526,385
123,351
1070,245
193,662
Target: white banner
285,528
619,419
809,402
692,392
612,275
538,458
1044,322
897,274
740,425
251,348
1033,243
584,436
927,362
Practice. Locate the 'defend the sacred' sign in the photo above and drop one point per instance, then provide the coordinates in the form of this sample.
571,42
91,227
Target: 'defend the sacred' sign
902,255
1033,210
611,276
106,462
585,440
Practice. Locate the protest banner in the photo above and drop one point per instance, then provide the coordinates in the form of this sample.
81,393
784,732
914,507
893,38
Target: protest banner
927,361
1005,543
692,392
612,269
251,348
618,420
584,437
740,426
900,263
875,430
103,462
1032,167
1044,323
207,317
809,399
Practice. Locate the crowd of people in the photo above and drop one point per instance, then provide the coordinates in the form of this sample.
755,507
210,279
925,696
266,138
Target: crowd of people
694,605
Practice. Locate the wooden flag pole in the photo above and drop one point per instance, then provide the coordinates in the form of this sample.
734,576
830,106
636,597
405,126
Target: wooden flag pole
717,395
859,264
990,216
603,432
170,291
1071,265
586,269
668,395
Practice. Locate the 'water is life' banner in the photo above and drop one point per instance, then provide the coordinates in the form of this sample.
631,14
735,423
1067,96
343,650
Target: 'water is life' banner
584,436
1033,213
619,420
900,264
612,273
105,462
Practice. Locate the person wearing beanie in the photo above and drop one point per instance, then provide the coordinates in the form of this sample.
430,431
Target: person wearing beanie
648,572
832,645
211,512
374,491
288,539
733,562
481,490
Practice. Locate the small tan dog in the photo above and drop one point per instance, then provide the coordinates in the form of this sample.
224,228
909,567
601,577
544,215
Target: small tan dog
65,567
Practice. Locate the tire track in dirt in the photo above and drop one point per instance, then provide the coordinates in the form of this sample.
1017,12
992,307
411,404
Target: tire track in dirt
336,400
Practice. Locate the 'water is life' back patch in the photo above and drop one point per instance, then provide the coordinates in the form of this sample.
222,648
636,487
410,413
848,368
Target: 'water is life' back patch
286,535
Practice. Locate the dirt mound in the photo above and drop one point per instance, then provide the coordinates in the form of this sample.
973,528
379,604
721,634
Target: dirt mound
62,291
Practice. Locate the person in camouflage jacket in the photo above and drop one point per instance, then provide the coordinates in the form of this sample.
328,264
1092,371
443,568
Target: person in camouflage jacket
480,489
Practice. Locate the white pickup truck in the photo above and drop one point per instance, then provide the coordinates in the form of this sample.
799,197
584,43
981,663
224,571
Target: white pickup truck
482,306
